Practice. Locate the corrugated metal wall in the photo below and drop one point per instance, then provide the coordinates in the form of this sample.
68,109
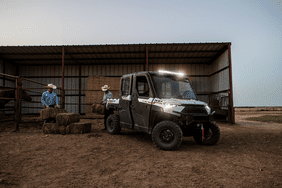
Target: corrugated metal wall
198,74
69,83
110,70
220,81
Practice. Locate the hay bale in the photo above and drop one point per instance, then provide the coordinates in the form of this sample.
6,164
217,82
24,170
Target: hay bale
64,119
51,113
100,109
62,129
78,128
54,128
47,128
93,108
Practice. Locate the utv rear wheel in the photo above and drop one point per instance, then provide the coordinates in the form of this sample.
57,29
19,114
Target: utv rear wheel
211,135
113,125
167,135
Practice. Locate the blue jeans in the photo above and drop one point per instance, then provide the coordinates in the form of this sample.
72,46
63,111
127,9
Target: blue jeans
51,106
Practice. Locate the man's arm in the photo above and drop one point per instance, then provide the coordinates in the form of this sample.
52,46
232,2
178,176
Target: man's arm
57,101
110,96
43,100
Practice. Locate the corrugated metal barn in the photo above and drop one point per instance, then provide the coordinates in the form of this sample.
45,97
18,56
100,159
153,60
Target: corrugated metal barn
208,66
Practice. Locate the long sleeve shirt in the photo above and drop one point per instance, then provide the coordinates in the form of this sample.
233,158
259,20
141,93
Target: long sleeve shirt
107,95
49,98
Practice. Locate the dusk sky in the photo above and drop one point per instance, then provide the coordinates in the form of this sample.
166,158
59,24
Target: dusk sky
253,27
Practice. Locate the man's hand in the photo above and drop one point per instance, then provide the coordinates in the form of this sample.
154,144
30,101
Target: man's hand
57,106
47,106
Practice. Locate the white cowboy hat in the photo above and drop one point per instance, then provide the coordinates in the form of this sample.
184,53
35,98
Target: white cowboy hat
51,86
105,88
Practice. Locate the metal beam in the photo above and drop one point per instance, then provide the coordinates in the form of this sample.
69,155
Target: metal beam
112,59
4,71
63,70
95,63
147,59
9,61
105,53
79,86
231,86
219,71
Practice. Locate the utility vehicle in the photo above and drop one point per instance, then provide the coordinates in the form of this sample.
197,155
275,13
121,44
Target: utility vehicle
164,105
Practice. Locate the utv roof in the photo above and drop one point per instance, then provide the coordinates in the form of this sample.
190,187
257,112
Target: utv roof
150,72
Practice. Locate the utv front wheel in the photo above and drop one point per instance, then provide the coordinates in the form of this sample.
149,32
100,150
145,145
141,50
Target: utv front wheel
211,135
113,125
167,135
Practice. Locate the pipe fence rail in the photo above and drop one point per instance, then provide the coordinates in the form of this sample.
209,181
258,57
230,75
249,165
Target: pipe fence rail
18,101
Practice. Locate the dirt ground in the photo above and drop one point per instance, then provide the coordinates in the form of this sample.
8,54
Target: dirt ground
248,154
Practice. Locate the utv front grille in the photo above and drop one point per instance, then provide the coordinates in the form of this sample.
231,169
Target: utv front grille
194,109
201,118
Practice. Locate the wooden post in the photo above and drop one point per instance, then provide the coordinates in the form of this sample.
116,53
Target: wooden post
63,91
18,97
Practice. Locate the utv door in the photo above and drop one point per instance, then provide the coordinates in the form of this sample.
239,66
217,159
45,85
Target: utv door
125,102
141,105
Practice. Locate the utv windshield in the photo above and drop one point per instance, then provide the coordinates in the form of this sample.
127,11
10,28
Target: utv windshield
170,86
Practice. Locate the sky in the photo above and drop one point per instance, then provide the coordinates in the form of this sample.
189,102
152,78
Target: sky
254,27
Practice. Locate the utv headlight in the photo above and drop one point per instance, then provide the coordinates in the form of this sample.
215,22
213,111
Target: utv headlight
208,109
168,106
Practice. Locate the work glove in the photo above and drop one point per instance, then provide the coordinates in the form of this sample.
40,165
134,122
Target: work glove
57,106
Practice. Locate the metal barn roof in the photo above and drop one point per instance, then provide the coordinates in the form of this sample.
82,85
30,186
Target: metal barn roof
160,53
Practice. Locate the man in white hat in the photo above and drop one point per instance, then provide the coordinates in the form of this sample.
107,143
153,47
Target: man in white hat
107,95
49,98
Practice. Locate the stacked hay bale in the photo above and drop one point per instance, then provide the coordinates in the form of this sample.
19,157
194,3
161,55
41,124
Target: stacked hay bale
66,123
51,113
98,108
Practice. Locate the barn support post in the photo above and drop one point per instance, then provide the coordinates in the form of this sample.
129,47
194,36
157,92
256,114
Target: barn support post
4,71
232,117
63,71
147,60
79,83
18,97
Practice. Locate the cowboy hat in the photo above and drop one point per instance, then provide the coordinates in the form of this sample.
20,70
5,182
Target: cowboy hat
51,86
105,88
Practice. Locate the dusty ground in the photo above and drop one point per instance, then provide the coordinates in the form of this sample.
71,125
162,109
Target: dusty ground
249,154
